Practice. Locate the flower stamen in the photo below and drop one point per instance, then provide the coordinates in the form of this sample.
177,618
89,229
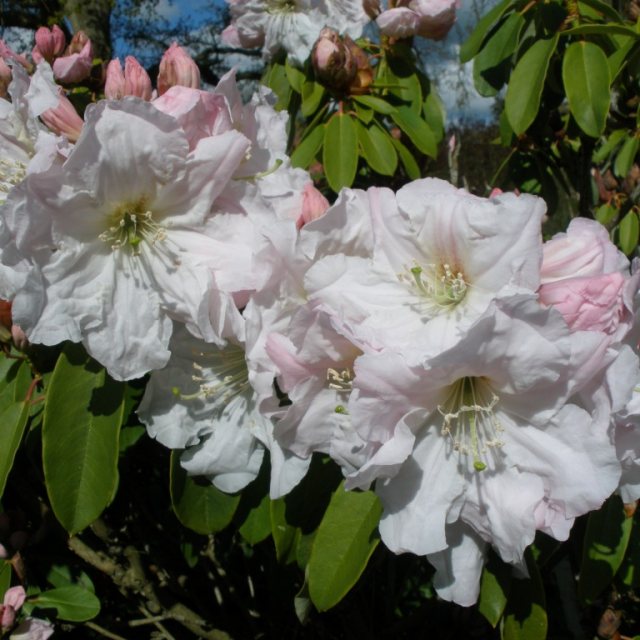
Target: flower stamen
442,286
470,421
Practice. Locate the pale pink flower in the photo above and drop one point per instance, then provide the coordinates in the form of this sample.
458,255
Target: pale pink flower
177,67
33,629
13,600
481,445
127,212
63,119
426,18
293,26
76,65
314,205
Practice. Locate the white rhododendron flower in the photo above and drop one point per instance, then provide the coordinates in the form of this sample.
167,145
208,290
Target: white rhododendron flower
203,402
292,25
440,256
126,213
480,444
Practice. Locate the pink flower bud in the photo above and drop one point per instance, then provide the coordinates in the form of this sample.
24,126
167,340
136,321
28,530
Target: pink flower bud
314,205
5,78
584,250
36,55
64,119
4,554
7,617
79,41
136,80
19,337
76,66
332,60
114,84
50,42
15,597
177,68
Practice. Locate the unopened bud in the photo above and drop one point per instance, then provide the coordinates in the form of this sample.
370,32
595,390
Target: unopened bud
136,80
314,205
177,68
364,74
78,42
371,8
64,119
50,42
19,337
114,84
76,65
332,61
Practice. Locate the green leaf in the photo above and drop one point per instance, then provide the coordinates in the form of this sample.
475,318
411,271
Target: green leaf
629,571
629,233
62,575
257,524
585,73
82,418
377,149
600,10
377,104
304,154
312,95
605,150
343,545
71,603
434,114
600,29
417,130
494,589
295,76
473,43
340,151
408,161
491,66
276,79
623,45
605,543
403,81
527,81
5,577
129,436
284,535
525,616
197,503
364,113
626,156
606,213
13,420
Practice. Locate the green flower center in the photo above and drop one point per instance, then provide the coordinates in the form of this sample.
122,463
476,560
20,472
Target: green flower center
442,286
129,224
470,421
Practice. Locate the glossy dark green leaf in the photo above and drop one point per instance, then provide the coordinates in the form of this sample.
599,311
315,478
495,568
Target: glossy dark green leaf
491,66
377,149
417,130
408,161
527,81
284,535
375,103
312,95
70,603
473,43
599,9
82,418
605,543
585,73
13,420
525,616
600,29
197,503
304,154
257,525
494,589
626,156
340,151
345,540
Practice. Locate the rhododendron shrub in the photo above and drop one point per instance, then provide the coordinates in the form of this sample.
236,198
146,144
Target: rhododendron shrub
266,319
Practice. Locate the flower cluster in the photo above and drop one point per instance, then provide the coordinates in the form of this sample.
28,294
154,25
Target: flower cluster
427,340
